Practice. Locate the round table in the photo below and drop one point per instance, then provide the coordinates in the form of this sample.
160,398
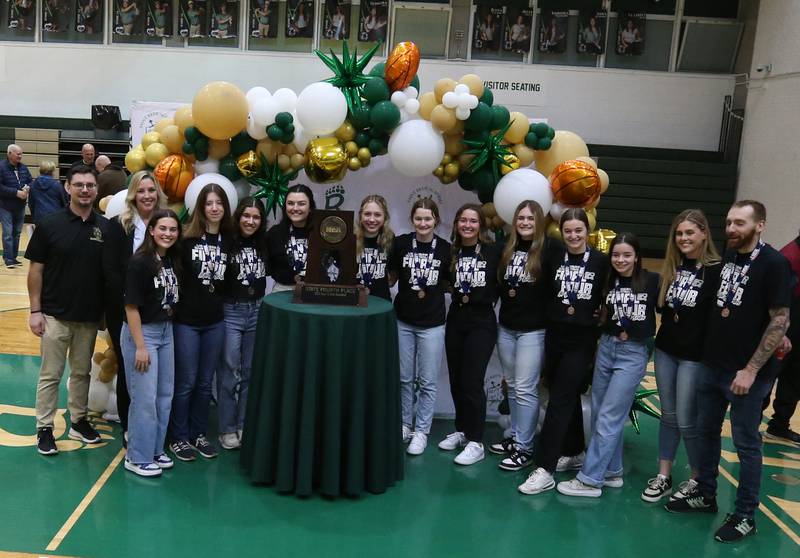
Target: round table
323,409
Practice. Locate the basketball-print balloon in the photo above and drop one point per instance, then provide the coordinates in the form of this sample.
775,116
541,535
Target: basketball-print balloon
575,183
401,66
174,173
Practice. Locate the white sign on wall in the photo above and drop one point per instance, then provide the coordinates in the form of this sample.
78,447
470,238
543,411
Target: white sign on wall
145,114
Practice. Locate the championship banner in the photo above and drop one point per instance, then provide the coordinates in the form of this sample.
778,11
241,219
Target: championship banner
486,34
336,22
592,32
630,33
518,29
553,31
87,17
55,16
191,22
127,20
263,19
21,14
224,19
300,18
159,18
373,20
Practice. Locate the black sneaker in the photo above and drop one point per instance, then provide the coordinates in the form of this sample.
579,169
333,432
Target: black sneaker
657,487
693,502
782,433
45,443
182,451
735,529
505,446
516,461
204,447
84,432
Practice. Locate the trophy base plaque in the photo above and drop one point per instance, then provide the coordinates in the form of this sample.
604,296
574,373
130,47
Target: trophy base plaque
336,295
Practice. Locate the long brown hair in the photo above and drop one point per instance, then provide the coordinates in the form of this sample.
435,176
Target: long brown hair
126,217
386,234
673,257
483,231
149,249
196,227
533,266
639,276
429,204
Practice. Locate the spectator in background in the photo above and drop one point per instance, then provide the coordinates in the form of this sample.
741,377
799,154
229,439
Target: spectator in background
47,195
111,178
15,181
87,157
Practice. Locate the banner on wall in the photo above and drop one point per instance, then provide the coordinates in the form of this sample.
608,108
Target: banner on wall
158,22
55,16
630,33
300,18
487,25
553,31
263,19
518,28
21,14
127,17
373,20
192,22
87,17
591,31
336,21
224,19
145,114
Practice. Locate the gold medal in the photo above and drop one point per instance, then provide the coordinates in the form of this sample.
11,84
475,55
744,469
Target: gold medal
512,293
571,310
624,335
420,294
726,312
211,288
465,299
675,318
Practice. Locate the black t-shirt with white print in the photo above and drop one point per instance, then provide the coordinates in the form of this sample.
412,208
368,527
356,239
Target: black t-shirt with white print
526,310
475,276
246,274
412,269
204,261
564,278
696,288
372,268
151,286
288,249
732,340
633,313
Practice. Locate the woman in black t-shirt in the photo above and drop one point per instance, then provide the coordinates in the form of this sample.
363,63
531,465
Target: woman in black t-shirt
199,326
245,283
151,292
421,261
630,322
288,240
374,238
689,279
471,331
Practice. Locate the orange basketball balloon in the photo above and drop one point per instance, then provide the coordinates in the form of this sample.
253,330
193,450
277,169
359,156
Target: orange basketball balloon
174,173
575,183
401,66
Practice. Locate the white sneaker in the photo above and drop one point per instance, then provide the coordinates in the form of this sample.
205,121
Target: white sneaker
406,434
613,482
684,489
453,441
570,462
538,481
239,433
229,441
144,469
575,487
419,442
470,455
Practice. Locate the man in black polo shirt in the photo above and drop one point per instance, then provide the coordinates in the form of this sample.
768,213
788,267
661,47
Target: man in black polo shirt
65,287
745,328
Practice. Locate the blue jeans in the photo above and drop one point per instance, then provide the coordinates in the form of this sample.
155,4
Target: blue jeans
233,374
677,389
713,397
11,220
421,351
618,369
150,391
197,351
522,358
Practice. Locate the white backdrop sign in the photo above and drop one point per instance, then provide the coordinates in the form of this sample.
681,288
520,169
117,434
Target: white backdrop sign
145,114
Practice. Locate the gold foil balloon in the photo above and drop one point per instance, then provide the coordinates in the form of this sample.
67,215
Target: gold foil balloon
401,66
452,170
575,183
475,84
352,148
438,172
353,164
566,145
601,239
326,160
134,160
154,153
364,156
553,231
220,110
249,164
346,132
174,173
511,164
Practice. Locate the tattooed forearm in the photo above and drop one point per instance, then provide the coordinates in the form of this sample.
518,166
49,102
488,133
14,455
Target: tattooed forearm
772,338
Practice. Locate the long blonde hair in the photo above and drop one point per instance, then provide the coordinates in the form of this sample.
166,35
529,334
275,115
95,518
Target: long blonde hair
533,265
126,218
673,257
386,234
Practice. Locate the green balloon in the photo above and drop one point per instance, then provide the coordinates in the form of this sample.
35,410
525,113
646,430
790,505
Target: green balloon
242,143
486,193
465,181
415,83
201,145
201,155
287,137
531,140
544,144
385,116
551,132
500,116
375,133
288,129
359,117
191,134
481,135
362,139
283,119
378,69
376,90
487,97
188,148
274,132
540,129
228,169
375,146
479,118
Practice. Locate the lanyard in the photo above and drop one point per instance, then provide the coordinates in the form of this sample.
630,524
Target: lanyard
518,263
212,257
574,282
368,265
170,282
681,286
625,310
297,252
422,262
465,269
738,278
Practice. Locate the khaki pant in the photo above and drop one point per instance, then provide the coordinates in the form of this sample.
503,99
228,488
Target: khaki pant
62,338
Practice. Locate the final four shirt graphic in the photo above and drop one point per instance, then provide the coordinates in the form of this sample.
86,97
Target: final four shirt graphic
577,285
152,288
632,312
475,276
372,268
420,266
526,310
204,261
288,248
246,275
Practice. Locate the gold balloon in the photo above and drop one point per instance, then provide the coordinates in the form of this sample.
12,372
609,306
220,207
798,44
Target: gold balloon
135,161
427,102
497,222
575,183
269,149
524,153
448,180
352,148
177,207
220,110
290,149
163,123
443,86
465,159
439,171
102,205
587,160
488,210
401,66
217,149
171,137
453,145
511,164
518,129
592,221
174,173
475,84
364,156
249,164
284,162
601,239
150,138
566,145
603,180
298,160
346,132
443,118
447,158
183,118
452,169
553,231
154,153
326,160
353,164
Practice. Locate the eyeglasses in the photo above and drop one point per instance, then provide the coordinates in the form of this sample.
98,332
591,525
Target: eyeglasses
83,185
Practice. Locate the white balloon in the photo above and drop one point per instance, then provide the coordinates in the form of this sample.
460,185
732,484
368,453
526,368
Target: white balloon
411,106
556,211
450,100
264,111
99,393
301,139
518,186
116,204
197,184
254,130
286,99
416,148
462,113
399,98
242,187
207,166
461,89
321,108
411,92
473,102
256,93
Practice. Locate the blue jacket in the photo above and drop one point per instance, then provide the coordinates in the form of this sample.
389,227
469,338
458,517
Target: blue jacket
9,185
46,196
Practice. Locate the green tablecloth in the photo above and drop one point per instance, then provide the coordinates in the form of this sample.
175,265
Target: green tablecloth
323,409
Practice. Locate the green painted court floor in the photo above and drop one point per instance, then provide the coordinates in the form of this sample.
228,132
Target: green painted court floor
208,508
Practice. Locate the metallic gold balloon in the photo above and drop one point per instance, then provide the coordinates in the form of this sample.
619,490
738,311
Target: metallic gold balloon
364,156
553,231
352,148
447,159
346,132
575,183
511,164
326,160
353,164
401,65
452,169
601,239
439,171
249,164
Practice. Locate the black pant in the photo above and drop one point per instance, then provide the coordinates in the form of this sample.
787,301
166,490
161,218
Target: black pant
469,339
569,355
787,393
114,325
